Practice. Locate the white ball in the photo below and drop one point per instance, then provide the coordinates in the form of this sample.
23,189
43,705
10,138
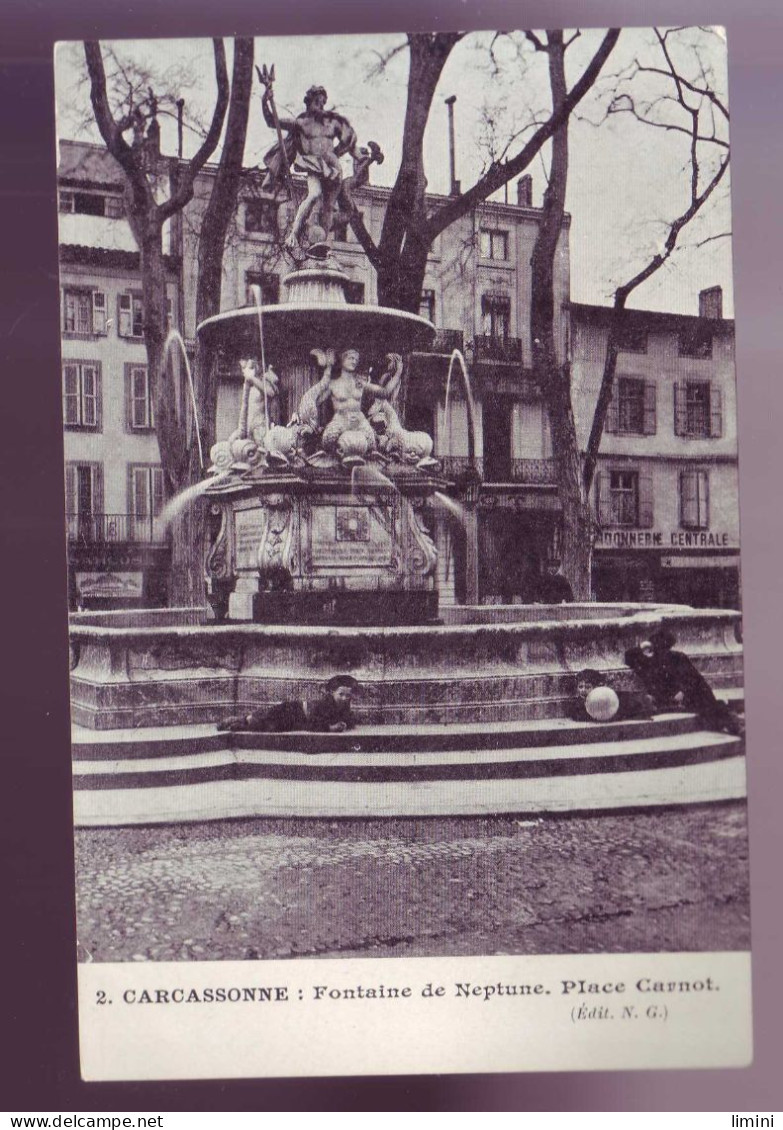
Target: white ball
602,704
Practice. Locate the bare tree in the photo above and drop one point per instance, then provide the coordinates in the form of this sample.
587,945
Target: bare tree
410,224
148,210
689,105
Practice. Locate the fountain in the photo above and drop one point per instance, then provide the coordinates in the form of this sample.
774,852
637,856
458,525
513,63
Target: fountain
319,492
321,561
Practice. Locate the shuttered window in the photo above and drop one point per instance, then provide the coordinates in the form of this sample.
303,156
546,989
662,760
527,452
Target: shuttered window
145,499
138,399
624,498
84,312
632,409
694,499
130,315
82,394
495,315
698,410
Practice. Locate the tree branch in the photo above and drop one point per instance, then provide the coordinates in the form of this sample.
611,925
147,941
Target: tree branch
187,174
499,175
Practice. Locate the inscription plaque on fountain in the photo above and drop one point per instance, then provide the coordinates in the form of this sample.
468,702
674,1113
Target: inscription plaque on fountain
249,529
350,535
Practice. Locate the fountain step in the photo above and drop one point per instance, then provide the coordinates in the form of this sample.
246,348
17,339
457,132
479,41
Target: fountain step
351,766
695,783
151,742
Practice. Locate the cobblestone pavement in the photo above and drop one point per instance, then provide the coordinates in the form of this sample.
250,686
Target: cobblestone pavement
671,880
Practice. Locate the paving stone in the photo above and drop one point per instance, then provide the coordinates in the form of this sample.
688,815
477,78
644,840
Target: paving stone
672,880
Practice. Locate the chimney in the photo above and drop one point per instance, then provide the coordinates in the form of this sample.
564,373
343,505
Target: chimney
711,302
525,191
455,187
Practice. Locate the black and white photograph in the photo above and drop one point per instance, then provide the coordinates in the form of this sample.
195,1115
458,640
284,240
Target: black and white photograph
401,497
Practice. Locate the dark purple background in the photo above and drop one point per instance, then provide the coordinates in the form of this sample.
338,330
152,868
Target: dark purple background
39,1056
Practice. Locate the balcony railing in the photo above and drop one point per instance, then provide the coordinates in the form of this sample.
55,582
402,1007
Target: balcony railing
112,529
535,472
507,350
456,465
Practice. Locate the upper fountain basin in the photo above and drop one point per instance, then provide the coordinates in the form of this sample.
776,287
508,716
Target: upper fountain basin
297,328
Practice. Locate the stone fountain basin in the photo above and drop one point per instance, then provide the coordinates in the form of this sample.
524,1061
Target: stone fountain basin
296,328
173,668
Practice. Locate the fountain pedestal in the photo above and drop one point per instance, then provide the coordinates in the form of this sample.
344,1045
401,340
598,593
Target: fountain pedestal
315,549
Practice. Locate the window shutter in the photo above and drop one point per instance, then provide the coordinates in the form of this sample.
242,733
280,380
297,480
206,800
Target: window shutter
686,498
546,438
70,489
704,499
645,500
169,313
716,413
650,410
612,421
89,397
128,398
71,394
157,491
140,483
680,410
99,312
125,315
97,488
603,499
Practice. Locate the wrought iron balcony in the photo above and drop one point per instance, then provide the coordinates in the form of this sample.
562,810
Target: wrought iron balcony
114,529
456,466
536,472
506,350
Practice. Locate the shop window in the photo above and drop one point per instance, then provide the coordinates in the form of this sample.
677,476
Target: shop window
84,312
624,498
694,500
632,409
495,315
130,309
138,398
698,410
493,244
82,395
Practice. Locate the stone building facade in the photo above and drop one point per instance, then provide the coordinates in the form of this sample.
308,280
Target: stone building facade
665,494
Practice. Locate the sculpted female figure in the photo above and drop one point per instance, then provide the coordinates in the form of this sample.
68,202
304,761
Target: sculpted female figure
349,434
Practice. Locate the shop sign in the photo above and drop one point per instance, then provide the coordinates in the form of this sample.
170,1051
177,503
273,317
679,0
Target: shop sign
657,539
713,561
109,586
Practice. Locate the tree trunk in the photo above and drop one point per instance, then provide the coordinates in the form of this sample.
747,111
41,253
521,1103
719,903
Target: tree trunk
552,374
189,536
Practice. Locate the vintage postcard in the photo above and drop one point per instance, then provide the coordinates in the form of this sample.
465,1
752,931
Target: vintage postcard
399,412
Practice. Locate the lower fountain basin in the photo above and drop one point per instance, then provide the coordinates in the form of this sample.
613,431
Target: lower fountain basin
146,669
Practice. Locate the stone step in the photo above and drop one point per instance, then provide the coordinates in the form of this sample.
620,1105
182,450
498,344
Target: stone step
618,756
697,783
151,742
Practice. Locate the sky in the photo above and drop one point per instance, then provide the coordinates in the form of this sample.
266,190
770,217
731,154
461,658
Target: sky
626,179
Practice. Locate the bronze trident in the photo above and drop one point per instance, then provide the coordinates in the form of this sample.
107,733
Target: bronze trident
266,76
